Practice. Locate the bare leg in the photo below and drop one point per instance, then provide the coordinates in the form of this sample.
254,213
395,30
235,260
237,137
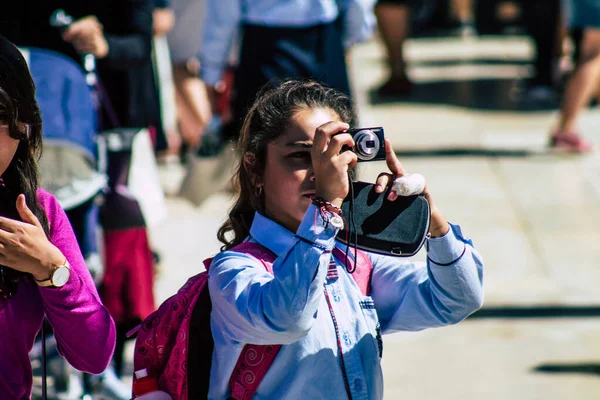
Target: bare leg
462,11
393,21
462,17
578,93
193,106
597,94
582,85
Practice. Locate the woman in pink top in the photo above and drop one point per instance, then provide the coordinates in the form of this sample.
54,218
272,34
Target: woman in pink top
42,272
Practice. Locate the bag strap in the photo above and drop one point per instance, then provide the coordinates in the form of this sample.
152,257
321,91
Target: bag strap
255,360
362,271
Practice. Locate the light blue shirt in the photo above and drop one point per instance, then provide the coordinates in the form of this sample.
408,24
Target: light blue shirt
252,306
223,19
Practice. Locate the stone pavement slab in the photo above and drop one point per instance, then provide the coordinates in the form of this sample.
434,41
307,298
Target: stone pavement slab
495,360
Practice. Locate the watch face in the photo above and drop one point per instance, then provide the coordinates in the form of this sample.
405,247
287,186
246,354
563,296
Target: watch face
61,276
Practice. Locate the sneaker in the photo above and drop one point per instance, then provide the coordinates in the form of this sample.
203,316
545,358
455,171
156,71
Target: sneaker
534,90
463,29
570,142
466,30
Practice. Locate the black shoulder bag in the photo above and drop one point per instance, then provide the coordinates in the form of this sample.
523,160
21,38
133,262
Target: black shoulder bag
393,228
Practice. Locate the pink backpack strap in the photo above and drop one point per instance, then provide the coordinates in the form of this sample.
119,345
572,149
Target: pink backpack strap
260,252
362,272
254,360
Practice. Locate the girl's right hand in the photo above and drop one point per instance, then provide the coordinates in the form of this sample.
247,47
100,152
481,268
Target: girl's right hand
24,245
330,165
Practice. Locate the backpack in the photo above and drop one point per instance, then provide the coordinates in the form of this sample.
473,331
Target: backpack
175,342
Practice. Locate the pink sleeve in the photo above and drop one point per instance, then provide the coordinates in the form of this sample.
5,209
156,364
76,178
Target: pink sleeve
84,329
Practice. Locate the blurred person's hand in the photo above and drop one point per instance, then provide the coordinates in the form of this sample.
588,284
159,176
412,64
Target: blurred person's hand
439,225
218,98
87,36
163,21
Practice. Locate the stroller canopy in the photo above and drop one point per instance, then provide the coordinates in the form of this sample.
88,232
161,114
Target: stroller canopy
65,99
68,165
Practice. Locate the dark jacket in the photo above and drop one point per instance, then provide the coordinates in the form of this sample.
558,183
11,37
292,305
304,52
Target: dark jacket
126,72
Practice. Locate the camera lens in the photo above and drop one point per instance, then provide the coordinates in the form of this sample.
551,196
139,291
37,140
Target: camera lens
367,144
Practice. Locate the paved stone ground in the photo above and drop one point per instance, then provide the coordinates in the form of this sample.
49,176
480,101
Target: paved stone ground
532,214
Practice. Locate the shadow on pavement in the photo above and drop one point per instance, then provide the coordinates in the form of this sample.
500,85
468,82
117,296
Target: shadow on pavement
590,369
480,94
466,151
510,312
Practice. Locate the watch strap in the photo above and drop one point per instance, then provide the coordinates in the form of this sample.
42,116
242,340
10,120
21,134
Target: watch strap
48,282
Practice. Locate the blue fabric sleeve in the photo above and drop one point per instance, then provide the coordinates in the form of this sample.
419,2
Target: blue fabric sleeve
359,20
221,25
411,296
252,306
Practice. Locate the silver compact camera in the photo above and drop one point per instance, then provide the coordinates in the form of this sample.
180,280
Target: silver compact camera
369,144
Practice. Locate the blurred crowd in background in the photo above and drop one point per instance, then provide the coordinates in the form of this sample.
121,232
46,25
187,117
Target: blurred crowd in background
182,74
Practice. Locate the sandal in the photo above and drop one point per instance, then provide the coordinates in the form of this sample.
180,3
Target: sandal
571,142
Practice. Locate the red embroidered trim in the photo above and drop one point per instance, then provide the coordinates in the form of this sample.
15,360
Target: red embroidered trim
325,205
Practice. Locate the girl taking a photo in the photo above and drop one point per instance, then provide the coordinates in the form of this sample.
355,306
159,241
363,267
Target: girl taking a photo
293,178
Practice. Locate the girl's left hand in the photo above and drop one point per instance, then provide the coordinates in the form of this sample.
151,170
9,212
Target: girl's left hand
439,226
24,246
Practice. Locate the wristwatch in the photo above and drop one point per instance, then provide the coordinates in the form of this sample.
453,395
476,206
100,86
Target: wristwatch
59,276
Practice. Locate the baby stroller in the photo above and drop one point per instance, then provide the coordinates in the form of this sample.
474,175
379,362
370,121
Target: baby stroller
70,170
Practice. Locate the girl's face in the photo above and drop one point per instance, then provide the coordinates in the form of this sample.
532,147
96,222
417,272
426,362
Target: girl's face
288,179
8,147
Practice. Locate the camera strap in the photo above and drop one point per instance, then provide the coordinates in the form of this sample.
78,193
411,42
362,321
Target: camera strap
352,228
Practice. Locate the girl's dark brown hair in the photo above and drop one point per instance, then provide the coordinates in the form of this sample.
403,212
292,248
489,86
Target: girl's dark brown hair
20,111
270,115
